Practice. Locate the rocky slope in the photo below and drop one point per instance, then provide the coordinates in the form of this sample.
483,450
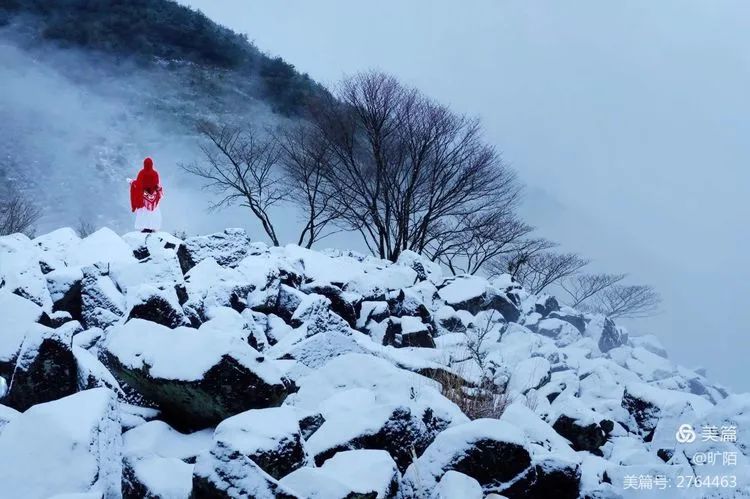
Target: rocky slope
147,366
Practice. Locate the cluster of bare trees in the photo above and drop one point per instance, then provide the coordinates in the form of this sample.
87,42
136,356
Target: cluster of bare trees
381,159
538,267
17,214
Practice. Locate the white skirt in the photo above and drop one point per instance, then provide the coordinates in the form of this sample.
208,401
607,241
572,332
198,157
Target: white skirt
148,219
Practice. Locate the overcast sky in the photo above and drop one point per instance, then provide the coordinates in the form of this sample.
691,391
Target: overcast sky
627,121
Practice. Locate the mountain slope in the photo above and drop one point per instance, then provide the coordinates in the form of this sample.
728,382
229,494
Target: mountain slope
91,88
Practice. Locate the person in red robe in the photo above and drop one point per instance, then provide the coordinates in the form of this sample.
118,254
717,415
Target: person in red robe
145,194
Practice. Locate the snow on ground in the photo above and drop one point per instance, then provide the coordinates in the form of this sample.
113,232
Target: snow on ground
286,372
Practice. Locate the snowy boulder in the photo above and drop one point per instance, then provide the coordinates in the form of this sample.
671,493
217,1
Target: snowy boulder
474,294
369,403
18,315
195,379
545,305
529,374
345,304
55,247
146,245
561,331
647,404
450,321
228,248
70,445
64,285
104,245
490,451
45,368
363,473
583,434
606,333
156,460
271,438
455,484
317,350
283,303
408,332
211,285
157,304
92,373
225,473
398,431
547,478
20,272
571,316
425,269
102,304
650,343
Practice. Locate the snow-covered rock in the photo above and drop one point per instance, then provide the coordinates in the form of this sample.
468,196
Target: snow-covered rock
157,460
475,294
228,248
196,379
225,472
307,376
490,451
348,474
102,304
455,484
271,438
45,368
70,445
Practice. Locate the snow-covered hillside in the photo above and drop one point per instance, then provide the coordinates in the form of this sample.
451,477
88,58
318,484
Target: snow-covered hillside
216,367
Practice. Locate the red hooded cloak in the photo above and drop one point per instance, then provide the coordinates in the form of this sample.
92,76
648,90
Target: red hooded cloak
145,191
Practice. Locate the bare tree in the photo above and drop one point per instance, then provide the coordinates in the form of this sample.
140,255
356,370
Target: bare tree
514,262
619,301
407,171
583,287
244,168
547,268
477,239
17,214
305,157
85,227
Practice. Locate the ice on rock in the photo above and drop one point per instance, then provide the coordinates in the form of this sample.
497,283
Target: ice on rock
70,445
